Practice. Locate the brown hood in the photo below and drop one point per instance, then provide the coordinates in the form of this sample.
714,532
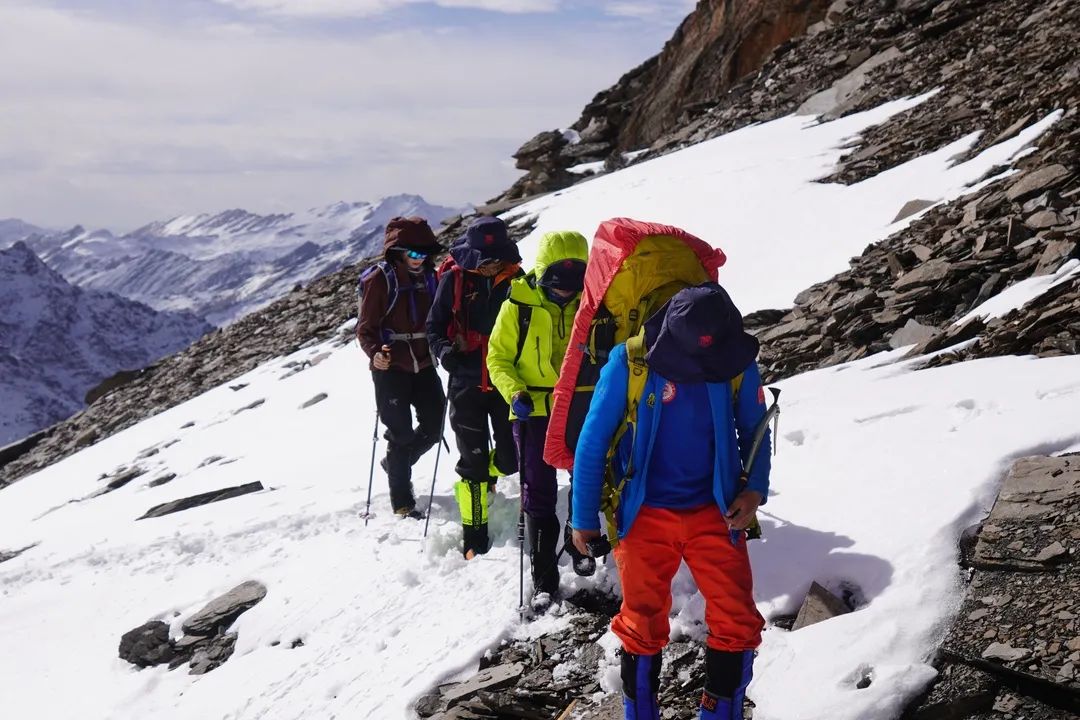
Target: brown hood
412,233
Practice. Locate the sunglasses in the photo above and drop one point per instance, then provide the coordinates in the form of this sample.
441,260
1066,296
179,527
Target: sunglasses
415,255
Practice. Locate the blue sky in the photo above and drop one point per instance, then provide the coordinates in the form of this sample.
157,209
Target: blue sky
119,112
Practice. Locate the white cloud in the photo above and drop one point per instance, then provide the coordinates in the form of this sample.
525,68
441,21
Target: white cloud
644,10
109,123
367,8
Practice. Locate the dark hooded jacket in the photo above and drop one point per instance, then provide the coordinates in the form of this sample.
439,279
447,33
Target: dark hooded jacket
460,339
408,315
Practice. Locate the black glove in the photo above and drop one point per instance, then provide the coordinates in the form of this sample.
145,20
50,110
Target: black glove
451,360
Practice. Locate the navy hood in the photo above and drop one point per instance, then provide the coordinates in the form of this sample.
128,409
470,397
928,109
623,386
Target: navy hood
485,239
698,336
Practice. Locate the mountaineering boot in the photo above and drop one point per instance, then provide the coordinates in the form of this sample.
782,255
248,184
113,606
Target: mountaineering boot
543,537
401,489
584,565
409,512
726,676
472,502
640,684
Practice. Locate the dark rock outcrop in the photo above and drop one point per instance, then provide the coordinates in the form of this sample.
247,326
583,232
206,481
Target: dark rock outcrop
1015,644
220,612
147,645
718,44
206,643
206,498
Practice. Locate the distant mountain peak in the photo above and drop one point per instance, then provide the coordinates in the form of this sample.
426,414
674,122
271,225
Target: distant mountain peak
226,264
20,259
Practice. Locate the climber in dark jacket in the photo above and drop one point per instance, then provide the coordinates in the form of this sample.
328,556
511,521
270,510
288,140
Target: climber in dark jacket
395,296
471,290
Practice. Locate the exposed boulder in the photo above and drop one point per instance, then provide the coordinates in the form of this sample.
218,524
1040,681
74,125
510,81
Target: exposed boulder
205,645
220,612
147,645
819,606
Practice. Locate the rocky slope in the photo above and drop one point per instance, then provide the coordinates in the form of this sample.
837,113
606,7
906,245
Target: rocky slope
304,316
718,44
58,341
225,265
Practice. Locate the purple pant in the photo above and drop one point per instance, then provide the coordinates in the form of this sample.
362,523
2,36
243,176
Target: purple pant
539,488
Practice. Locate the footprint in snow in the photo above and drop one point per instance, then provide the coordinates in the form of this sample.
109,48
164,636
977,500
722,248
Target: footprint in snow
795,437
888,414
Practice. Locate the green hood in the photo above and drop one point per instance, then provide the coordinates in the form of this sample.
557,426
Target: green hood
560,245
554,246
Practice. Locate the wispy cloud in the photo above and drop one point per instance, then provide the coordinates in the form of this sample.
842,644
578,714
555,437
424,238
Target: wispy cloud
142,109
367,8
643,10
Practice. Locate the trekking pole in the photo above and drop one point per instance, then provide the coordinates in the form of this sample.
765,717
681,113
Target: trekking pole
371,471
435,473
521,519
374,443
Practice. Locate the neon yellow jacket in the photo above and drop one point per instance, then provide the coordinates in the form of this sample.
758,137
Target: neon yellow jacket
549,329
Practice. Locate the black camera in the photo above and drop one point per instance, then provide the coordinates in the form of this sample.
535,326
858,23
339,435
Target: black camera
598,547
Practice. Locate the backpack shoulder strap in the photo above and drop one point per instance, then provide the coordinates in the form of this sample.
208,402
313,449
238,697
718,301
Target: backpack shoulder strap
524,320
459,286
432,282
611,492
639,373
736,386
391,286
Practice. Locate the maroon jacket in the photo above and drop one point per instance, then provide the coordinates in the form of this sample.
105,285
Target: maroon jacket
414,297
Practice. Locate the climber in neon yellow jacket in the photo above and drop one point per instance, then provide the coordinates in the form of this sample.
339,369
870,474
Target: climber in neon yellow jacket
525,352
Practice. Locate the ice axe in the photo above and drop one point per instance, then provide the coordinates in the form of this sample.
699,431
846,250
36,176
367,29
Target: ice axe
753,532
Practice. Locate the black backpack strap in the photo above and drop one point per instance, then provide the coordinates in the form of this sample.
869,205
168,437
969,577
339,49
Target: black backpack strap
524,319
391,287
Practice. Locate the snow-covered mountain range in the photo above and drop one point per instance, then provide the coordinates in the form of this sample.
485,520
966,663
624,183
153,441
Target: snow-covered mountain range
57,341
224,265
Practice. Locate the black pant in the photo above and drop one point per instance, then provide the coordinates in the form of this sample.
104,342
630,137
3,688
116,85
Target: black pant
396,394
470,412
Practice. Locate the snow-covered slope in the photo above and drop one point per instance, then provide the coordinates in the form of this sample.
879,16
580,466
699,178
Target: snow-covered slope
227,264
879,468
58,341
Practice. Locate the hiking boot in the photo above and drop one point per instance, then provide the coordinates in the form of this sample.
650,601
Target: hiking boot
543,537
541,602
409,512
584,565
475,540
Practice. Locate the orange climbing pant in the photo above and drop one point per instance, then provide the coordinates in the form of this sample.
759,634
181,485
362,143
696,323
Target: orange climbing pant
648,558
